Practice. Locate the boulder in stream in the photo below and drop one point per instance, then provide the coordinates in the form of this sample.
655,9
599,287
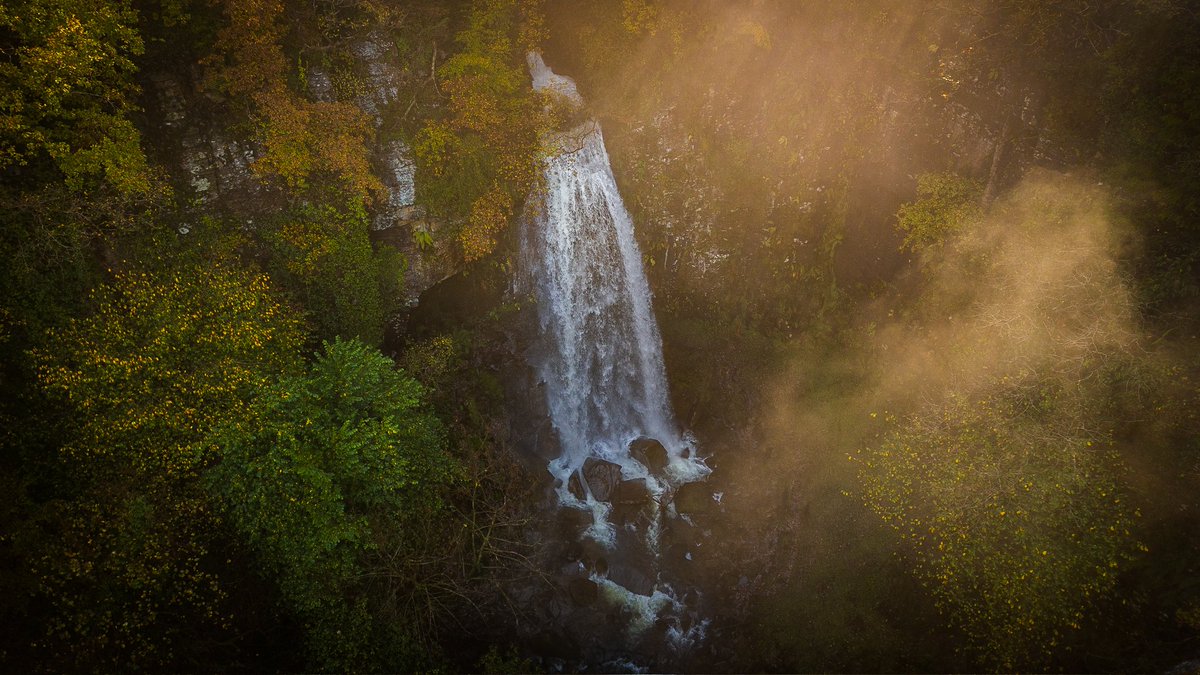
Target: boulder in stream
629,500
650,453
602,477
573,521
575,487
632,578
631,492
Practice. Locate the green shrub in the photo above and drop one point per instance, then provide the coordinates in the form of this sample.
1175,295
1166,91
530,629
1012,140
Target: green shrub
948,202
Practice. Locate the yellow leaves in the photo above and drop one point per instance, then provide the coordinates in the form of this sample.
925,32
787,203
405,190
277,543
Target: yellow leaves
434,146
489,216
68,86
490,143
310,242
160,360
302,138
1029,530
639,16
532,28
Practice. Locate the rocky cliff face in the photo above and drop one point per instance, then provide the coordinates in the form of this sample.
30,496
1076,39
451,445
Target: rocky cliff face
207,160
782,144
203,144
401,223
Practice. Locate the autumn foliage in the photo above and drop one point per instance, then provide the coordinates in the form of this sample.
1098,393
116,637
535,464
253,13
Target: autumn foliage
65,90
301,138
162,361
480,162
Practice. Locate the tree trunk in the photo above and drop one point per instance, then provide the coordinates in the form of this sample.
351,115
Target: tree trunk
989,192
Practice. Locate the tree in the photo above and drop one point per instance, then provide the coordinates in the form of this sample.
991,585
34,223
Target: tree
1015,518
336,468
482,161
66,88
121,544
73,166
321,252
1007,485
947,203
302,138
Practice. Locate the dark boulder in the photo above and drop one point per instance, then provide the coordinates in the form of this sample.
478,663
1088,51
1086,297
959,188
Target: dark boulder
631,578
594,556
633,492
650,453
602,477
630,499
575,487
573,521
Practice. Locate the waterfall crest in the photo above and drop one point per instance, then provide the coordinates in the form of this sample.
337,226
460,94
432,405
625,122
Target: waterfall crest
601,354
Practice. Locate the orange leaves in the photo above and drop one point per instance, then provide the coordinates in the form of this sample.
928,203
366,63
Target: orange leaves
339,131
302,138
251,61
476,105
484,158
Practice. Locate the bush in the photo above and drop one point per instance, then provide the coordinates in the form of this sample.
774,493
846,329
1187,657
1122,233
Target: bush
947,203
322,254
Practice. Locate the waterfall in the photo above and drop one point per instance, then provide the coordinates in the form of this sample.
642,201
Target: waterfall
600,360
600,365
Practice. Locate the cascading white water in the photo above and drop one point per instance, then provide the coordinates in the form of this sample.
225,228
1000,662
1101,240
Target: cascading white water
601,366
601,362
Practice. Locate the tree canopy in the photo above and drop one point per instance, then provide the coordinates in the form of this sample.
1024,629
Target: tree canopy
68,89
331,471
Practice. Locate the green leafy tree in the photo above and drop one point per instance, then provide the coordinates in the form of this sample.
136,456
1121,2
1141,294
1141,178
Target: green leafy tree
337,469
120,544
323,255
73,166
